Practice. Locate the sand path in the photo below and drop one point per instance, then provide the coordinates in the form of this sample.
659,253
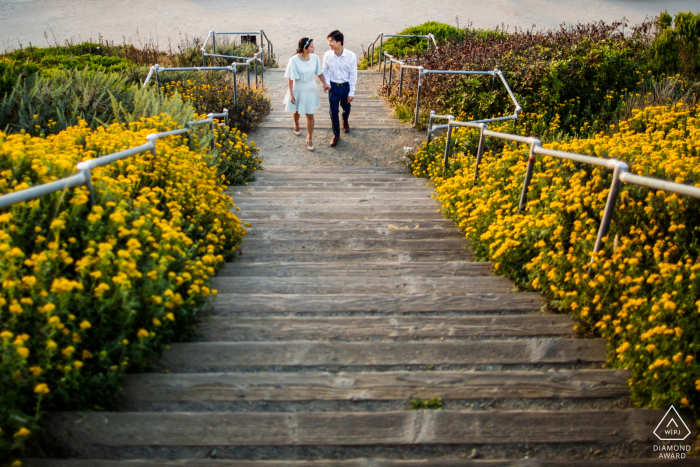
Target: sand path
161,21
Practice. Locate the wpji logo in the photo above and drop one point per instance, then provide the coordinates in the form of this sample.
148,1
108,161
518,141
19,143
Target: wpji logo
671,428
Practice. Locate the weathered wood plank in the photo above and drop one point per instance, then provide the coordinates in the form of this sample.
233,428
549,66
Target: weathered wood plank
388,269
361,284
436,223
416,203
387,218
286,182
415,191
379,386
373,462
223,328
359,208
317,194
221,355
285,233
377,303
356,256
256,245
80,431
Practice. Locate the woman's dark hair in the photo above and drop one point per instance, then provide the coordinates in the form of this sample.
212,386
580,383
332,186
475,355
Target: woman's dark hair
337,36
304,43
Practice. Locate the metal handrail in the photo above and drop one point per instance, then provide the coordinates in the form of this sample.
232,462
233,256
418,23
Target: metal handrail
621,173
261,48
84,176
496,73
158,70
380,38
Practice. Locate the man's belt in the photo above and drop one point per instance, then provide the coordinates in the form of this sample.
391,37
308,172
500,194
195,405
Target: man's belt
339,84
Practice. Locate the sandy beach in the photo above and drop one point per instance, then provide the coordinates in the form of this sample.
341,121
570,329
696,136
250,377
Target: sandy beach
43,22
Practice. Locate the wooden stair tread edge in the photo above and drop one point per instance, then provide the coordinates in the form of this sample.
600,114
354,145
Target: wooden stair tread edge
213,355
310,386
222,328
289,303
82,430
385,269
365,462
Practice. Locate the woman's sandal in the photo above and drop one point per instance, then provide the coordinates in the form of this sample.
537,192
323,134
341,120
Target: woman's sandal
310,145
297,130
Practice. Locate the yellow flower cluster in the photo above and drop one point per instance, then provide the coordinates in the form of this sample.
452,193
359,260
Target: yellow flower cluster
642,292
87,292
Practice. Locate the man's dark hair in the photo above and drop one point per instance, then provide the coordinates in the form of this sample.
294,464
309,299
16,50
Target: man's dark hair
337,36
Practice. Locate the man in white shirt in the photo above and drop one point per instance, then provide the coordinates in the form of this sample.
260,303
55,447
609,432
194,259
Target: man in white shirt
340,71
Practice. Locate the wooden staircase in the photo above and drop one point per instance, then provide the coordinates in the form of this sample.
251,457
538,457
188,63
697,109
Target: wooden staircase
352,297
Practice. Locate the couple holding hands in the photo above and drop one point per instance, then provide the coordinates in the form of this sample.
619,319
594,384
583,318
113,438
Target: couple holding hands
338,75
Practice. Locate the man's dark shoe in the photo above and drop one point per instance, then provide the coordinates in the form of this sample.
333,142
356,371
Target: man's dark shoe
346,126
334,140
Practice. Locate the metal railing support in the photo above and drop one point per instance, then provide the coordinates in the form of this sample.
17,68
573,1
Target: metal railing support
401,82
420,86
480,150
619,168
528,173
381,48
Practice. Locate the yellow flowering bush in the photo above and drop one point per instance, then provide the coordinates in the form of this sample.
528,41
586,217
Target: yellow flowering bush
88,293
211,92
643,291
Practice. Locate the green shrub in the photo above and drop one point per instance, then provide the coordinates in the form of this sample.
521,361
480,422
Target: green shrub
676,49
43,106
212,92
576,77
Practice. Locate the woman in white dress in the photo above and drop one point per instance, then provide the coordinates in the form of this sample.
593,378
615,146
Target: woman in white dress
302,96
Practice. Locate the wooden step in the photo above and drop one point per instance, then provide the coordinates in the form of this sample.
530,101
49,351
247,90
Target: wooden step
263,181
339,202
335,170
257,245
356,256
318,194
407,223
358,209
380,386
388,269
418,217
395,233
361,284
242,328
377,303
373,462
213,356
396,191
80,432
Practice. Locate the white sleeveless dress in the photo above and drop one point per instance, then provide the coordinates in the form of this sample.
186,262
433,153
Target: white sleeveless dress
305,91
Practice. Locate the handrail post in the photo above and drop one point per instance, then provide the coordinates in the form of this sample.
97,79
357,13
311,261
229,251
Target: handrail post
247,68
158,77
528,174
391,69
420,86
430,126
262,47
448,142
235,87
480,151
381,48
401,81
211,127
620,167
213,41
152,139
84,168
383,72
255,69
226,116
